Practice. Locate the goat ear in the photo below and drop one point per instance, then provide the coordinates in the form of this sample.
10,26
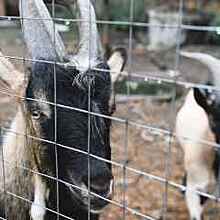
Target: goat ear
40,34
90,49
117,63
202,98
12,79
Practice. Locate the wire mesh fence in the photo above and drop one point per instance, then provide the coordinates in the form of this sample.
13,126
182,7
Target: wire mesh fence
146,161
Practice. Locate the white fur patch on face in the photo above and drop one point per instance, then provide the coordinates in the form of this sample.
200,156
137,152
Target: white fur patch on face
115,63
38,207
44,107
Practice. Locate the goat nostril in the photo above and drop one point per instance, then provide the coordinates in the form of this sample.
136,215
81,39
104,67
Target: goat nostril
99,187
100,182
103,188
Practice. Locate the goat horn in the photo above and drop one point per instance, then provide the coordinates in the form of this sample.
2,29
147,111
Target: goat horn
90,45
211,62
42,40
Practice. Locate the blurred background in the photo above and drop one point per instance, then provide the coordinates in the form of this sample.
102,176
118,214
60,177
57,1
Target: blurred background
148,29
196,12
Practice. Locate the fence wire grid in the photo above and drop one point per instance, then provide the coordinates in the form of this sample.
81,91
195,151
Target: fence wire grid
137,184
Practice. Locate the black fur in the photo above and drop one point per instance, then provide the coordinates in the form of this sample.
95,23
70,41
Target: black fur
72,89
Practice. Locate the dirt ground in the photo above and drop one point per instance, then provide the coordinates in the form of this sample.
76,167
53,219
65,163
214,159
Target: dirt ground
146,151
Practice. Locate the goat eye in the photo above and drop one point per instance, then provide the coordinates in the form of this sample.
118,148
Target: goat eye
36,115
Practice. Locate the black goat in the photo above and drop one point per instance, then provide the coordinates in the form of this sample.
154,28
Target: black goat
63,133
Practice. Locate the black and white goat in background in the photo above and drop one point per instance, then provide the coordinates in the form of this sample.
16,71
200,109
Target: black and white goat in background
199,119
65,81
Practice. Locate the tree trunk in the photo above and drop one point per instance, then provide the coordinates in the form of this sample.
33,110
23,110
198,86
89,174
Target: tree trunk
2,7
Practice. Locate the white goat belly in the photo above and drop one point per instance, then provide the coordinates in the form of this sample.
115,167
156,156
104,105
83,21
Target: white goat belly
192,126
192,121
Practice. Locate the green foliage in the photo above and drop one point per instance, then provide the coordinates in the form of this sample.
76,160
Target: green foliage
60,12
143,88
120,11
215,35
